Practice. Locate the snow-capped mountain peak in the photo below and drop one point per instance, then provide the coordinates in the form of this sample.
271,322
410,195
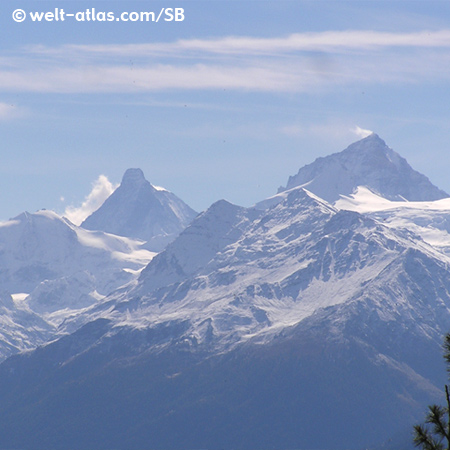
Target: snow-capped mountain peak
139,210
369,163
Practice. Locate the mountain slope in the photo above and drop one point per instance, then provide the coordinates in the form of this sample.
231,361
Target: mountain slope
429,220
139,210
299,326
54,269
20,328
43,246
296,324
302,390
370,163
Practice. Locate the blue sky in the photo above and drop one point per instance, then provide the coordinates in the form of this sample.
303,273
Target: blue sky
225,104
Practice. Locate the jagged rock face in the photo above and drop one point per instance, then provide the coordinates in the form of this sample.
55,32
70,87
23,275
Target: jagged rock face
139,210
370,163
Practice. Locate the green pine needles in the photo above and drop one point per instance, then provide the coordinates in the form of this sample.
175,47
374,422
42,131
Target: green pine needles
435,433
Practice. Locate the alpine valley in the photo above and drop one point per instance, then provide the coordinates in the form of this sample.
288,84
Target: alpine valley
313,320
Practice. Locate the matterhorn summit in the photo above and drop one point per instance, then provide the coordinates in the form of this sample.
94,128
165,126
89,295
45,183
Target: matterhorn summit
369,163
140,210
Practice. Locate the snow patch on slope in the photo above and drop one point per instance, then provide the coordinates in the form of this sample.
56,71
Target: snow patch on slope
429,220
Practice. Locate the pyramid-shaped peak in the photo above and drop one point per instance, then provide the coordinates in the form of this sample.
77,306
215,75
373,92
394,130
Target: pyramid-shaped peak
371,142
138,210
372,152
368,162
133,177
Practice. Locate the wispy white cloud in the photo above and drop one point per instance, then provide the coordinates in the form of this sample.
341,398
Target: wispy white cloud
296,63
153,78
328,41
360,132
102,188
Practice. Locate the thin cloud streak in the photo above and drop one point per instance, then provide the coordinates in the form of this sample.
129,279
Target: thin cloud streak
160,77
328,41
251,64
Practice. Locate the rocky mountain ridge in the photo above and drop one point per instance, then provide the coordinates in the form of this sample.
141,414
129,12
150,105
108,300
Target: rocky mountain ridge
293,324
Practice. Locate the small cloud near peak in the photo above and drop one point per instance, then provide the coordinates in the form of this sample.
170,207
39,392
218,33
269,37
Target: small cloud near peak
102,188
361,132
